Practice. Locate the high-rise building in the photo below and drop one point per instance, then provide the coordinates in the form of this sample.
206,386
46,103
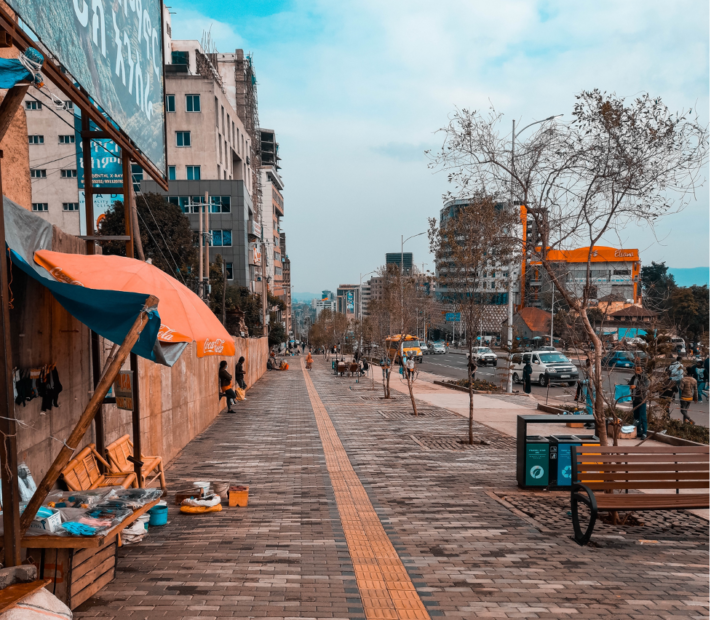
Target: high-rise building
348,297
401,260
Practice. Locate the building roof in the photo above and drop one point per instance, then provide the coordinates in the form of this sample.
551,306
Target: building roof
536,319
633,312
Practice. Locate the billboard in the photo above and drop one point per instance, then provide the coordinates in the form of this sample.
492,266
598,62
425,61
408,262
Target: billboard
350,304
114,50
453,317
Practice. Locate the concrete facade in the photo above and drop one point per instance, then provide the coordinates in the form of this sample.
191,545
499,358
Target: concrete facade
236,220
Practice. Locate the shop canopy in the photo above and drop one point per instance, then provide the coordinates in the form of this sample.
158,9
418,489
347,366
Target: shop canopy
109,313
184,316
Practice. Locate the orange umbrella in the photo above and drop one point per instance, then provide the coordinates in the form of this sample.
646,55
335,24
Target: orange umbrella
184,316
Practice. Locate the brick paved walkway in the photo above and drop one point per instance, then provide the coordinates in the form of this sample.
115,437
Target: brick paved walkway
468,552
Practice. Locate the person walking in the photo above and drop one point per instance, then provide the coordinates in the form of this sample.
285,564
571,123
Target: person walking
527,371
639,386
689,393
699,374
356,355
667,392
309,361
676,372
471,367
226,385
239,373
583,381
410,366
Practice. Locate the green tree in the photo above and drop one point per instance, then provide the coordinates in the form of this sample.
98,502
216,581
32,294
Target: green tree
277,333
657,287
166,235
237,300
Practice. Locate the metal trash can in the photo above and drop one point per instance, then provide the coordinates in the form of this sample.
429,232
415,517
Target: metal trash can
561,464
537,467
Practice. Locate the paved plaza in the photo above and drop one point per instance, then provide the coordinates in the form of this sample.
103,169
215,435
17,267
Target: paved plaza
358,509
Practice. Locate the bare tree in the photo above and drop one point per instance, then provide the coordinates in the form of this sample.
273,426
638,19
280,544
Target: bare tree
617,164
472,245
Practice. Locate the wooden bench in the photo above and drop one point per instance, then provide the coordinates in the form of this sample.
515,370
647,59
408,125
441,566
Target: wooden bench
82,473
120,454
601,473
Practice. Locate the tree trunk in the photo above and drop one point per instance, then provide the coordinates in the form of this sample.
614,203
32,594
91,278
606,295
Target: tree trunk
471,398
410,386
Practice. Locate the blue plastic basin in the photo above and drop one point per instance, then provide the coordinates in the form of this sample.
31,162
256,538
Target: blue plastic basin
159,515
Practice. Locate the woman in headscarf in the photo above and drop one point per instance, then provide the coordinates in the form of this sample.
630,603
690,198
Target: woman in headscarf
226,386
527,370
239,373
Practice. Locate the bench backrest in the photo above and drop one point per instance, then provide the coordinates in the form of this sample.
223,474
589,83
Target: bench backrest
119,451
608,468
82,471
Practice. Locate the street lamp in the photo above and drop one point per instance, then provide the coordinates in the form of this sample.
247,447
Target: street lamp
402,262
509,334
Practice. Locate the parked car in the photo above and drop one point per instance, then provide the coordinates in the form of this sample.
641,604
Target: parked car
438,348
484,356
622,359
425,348
547,366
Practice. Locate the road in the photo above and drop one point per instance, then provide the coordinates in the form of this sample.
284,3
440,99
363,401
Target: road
454,365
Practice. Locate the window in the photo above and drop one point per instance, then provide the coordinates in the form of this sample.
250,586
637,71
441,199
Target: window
38,174
36,139
33,105
192,103
39,206
228,269
68,105
184,203
136,177
221,238
182,138
217,117
68,174
66,139
70,206
193,173
180,58
171,173
170,103
220,204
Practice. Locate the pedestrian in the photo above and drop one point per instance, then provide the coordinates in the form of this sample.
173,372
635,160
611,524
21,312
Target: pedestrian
639,386
365,366
700,376
471,367
676,372
226,385
410,366
689,393
309,361
527,371
239,373
356,356
583,381
667,392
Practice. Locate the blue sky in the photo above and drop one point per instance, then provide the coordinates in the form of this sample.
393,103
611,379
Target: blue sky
357,90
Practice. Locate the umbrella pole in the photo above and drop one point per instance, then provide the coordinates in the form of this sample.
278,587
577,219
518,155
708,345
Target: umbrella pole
136,423
111,369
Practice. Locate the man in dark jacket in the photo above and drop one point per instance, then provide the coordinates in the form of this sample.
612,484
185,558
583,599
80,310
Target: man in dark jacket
639,387
226,386
239,373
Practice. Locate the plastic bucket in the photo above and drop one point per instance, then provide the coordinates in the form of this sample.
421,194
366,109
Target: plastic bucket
158,515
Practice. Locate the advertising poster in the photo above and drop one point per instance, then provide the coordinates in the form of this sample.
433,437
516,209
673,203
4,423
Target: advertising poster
350,304
114,50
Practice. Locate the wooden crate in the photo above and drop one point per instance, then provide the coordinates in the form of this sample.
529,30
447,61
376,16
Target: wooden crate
76,574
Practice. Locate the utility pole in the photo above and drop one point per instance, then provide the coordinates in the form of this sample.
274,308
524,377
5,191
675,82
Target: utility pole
208,236
201,238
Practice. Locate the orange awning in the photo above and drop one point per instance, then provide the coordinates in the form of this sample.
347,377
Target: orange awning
184,316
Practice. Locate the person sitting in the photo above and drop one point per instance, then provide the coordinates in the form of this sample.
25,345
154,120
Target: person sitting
226,385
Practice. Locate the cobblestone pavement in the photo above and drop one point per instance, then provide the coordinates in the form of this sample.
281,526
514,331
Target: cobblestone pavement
471,547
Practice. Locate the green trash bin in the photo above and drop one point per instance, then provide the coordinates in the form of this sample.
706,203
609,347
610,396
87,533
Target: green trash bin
536,461
561,464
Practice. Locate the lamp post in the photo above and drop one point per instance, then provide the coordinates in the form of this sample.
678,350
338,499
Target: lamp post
509,330
402,262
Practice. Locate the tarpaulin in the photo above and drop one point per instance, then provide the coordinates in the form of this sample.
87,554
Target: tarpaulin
12,71
110,314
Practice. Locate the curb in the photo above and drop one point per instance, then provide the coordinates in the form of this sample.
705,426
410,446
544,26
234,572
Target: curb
461,388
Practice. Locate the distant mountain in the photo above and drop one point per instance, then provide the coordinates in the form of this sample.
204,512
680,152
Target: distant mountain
305,297
690,276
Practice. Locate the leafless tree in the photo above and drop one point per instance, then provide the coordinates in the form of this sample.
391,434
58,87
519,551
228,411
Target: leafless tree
616,164
472,246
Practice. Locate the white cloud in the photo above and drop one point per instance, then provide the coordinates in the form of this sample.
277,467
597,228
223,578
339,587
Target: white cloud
355,88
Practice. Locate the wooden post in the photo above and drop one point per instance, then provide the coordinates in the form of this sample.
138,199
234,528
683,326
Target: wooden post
8,107
99,419
127,199
88,185
8,428
136,422
206,275
111,369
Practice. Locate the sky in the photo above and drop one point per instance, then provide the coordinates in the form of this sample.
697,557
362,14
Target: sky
357,90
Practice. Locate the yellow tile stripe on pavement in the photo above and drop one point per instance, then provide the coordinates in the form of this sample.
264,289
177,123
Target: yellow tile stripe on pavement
385,587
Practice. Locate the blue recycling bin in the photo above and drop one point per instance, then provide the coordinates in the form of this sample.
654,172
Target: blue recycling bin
561,465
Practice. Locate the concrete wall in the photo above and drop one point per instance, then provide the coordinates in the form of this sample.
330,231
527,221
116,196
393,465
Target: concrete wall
176,403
